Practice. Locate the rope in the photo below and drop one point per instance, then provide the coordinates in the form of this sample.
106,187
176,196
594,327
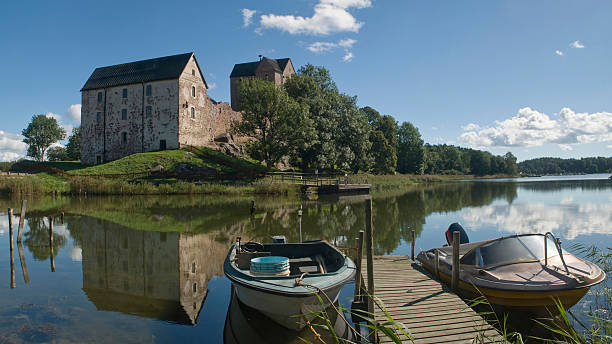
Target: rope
299,281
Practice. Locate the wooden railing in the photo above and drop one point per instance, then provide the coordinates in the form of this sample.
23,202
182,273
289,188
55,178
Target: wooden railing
305,178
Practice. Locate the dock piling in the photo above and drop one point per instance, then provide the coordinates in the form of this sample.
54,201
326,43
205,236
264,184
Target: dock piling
62,217
359,242
252,206
24,268
370,255
412,249
21,219
51,243
455,276
13,283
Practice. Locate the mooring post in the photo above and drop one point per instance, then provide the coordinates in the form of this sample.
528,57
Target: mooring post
412,249
455,276
24,268
437,264
359,242
252,206
13,284
369,255
21,219
62,217
51,243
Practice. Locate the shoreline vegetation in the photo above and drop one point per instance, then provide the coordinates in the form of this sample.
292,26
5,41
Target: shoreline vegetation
196,170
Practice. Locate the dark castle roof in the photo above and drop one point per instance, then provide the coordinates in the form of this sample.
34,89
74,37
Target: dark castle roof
249,68
161,68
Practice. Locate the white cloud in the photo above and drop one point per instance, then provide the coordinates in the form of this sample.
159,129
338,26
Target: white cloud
347,43
559,52
76,254
569,220
57,117
74,112
348,57
11,146
470,126
319,47
330,16
247,16
609,146
532,128
577,45
212,86
565,147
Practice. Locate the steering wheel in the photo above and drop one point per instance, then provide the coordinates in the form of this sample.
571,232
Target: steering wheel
252,246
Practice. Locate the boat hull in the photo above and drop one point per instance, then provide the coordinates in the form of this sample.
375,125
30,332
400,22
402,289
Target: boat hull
537,302
289,311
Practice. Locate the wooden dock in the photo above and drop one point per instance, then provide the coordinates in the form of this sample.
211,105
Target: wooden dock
432,313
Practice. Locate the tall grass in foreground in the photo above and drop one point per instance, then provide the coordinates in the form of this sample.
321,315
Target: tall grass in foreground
599,328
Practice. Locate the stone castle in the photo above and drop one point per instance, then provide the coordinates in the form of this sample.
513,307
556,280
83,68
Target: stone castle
160,104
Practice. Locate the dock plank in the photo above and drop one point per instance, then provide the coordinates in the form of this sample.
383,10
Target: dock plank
429,309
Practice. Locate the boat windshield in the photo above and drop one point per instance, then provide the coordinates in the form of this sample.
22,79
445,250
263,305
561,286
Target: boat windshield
510,250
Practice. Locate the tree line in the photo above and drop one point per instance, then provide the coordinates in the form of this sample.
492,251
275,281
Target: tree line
309,124
566,166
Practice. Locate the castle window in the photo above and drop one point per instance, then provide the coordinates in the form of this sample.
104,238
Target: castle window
148,90
193,91
99,117
193,112
195,288
193,72
148,111
124,114
193,268
99,97
125,93
123,138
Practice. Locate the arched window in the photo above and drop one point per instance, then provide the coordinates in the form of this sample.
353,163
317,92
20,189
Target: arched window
192,112
193,91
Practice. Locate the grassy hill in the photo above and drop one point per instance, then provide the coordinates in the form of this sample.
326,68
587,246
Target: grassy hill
197,159
197,170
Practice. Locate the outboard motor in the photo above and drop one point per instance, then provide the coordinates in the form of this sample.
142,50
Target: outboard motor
279,239
456,227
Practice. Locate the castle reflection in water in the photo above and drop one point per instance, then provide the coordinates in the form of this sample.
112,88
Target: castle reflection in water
149,274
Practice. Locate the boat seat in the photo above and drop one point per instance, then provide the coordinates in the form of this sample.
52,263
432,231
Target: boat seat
314,264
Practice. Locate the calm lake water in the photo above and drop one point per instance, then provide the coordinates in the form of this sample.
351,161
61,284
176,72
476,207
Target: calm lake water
150,269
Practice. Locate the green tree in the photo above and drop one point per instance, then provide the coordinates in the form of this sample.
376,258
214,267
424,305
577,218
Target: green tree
57,154
411,154
481,163
40,134
384,159
73,147
510,166
341,132
279,124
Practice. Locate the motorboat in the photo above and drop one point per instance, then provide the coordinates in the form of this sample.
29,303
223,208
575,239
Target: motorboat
526,271
309,283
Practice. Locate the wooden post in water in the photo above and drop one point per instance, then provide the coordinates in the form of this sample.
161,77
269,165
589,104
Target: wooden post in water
24,268
21,220
369,255
357,293
252,206
13,284
62,216
455,276
412,249
437,264
51,243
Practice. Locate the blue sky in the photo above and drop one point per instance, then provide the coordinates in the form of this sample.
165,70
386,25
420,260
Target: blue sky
533,78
